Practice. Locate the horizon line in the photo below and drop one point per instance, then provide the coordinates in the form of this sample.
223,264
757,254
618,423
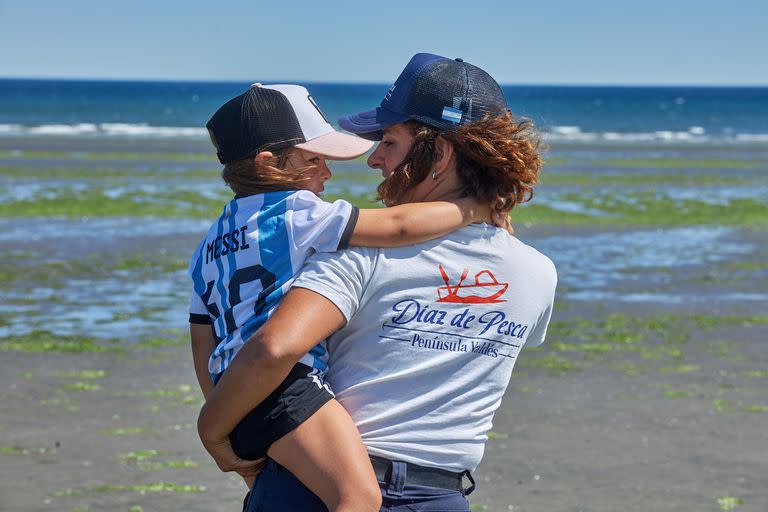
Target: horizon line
340,82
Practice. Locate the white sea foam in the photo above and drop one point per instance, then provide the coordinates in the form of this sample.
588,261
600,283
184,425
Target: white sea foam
124,130
693,135
9,128
752,137
570,134
143,130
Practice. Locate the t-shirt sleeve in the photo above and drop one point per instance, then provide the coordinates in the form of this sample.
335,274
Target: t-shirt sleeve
548,283
341,277
198,314
319,225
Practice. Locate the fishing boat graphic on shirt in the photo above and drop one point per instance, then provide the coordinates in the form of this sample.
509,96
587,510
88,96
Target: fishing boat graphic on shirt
486,289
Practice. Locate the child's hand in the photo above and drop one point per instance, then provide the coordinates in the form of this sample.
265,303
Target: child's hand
501,219
227,460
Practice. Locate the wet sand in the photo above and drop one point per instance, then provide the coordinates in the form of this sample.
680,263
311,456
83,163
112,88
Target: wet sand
79,429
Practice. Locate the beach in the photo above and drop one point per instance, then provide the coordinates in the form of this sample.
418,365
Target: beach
650,392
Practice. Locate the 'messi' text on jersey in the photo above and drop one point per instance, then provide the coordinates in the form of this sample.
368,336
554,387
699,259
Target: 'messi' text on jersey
228,242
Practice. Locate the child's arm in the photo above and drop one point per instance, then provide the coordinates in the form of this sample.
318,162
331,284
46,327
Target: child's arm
203,344
412,223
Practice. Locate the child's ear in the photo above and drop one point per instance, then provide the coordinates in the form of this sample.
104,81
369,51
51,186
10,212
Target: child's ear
263,157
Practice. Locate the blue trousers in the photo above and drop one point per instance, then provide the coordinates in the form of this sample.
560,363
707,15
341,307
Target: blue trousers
277,490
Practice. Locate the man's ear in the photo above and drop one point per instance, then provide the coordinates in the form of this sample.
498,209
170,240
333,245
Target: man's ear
444,151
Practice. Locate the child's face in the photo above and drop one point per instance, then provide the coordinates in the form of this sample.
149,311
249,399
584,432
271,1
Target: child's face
319,170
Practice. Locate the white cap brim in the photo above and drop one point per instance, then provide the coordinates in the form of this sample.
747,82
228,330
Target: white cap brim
337,146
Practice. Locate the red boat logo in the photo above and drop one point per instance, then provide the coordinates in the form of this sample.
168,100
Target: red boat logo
482,292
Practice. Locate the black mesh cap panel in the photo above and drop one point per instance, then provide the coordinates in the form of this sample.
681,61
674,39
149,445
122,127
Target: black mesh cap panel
456,85
485,96
260,119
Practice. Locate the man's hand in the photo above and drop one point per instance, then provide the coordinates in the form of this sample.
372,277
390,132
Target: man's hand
227,460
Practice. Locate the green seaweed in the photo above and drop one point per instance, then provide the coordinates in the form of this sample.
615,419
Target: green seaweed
83,386
550,362
154,487
96,203
123,431
140,455
646,209
46,341
729,502
98,173
84,374
20,450
755,408
603,179
683,368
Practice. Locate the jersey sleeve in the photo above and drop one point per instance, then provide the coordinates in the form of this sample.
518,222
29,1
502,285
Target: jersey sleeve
319,225
341,278
198,314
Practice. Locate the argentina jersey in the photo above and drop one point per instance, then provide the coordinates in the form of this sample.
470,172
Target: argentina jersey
249,258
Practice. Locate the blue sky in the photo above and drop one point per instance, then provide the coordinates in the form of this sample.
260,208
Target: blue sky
546,42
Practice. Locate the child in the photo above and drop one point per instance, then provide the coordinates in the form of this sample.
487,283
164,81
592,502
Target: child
273,141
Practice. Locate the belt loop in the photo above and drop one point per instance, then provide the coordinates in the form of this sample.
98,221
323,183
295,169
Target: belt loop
396,478
468,490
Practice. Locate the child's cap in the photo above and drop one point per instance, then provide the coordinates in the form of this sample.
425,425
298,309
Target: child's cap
437,91
273,117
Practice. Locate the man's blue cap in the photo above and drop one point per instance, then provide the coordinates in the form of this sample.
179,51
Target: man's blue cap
433,90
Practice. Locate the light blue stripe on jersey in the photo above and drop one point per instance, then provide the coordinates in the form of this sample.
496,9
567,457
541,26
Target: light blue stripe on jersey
232,267
221,326
275,251
318,352
197,272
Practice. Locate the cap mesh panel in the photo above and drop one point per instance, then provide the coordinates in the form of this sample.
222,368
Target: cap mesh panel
259,119
453,84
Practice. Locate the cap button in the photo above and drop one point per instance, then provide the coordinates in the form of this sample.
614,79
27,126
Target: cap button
459,59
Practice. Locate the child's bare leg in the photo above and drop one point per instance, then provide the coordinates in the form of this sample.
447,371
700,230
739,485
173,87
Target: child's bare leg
327,455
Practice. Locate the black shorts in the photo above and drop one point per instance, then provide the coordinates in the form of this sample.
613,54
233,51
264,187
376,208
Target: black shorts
297,398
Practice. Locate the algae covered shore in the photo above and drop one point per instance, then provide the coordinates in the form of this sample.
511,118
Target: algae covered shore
651,392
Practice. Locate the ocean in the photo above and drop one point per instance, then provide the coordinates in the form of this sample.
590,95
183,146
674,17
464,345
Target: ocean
566,114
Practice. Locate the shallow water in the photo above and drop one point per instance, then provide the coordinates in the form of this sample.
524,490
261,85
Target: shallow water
93,295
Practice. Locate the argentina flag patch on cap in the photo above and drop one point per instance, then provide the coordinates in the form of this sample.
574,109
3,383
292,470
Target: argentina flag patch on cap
452,114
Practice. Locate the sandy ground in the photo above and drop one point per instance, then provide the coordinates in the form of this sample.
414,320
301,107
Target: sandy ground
593,440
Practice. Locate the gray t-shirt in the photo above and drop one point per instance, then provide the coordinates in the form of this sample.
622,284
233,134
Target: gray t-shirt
433,331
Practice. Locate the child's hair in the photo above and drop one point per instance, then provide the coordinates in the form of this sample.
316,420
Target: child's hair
250,176
498,160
